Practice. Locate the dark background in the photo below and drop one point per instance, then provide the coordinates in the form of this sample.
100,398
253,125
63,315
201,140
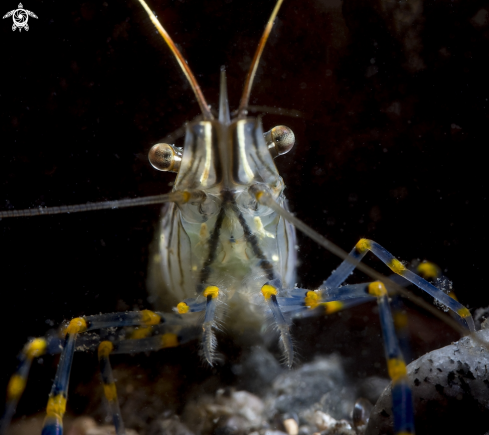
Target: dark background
391,145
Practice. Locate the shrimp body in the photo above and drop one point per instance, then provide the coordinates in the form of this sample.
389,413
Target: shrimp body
226,239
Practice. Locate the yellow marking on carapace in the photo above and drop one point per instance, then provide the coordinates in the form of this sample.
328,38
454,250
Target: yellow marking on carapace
16,387
56,406
363,245
258,195
258,223
311,300
260,229
377,288
186,196
212,291
35,348
404,433
204,232
110,392
169,340
105,348
77,325
149,318
332,306
396,266
463,312
182,308
141,332
400,320
396,368
268,291
259,226
428,270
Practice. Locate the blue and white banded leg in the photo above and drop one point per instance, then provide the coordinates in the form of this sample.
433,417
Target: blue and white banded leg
364,246
330,297
152,331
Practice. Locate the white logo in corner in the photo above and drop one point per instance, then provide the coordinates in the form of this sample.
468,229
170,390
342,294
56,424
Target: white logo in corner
20,17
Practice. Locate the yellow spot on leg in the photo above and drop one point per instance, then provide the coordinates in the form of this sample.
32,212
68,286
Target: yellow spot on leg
110,392
76,326
311,300
463,312
268,291
428,270
212,291
169,340
182,308
396,368
149,318
377,288
35,348
15,387
105,348
400,320
363,245
396,266
56,406
141,332
332,307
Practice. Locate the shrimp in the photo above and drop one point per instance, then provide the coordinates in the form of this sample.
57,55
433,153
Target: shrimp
77,102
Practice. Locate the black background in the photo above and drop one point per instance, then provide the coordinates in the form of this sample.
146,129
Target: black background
391,145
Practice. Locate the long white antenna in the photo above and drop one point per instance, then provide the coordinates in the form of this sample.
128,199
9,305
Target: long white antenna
181,61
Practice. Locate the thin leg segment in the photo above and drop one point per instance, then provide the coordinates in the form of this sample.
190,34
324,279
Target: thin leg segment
359,251
208,303
402,402
270,292
53,423
400,318
209,341
110,391
16,385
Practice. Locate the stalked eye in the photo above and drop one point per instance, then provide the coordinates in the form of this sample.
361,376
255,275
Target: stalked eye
165,157
280,140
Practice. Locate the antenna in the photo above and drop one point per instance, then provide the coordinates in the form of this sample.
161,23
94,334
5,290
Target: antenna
256,60
181,61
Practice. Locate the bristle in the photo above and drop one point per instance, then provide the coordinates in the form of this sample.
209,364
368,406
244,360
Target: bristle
287,347
209,343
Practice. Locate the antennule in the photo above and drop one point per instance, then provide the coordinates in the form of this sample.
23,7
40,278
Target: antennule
245,98
181,61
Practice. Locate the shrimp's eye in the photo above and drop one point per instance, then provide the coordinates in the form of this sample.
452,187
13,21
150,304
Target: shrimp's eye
165,157
280,140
